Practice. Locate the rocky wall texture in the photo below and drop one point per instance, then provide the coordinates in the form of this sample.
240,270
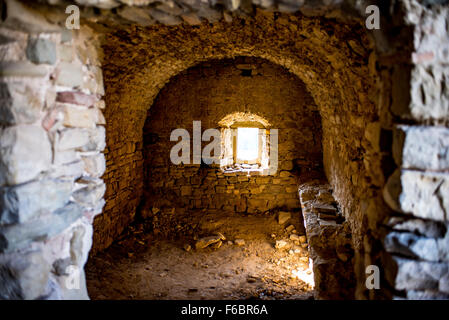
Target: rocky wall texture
325,55
208,93
52,135
329,243
416,233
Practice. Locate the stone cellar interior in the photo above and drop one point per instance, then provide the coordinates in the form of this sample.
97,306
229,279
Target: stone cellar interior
224,150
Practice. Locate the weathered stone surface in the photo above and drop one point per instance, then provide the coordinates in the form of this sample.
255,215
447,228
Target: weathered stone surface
79,117
164,17
418,275
72,169
97,139
280,244
76,97
69,74
239,242
94,166
91,195
294,237
137,15
19,236
65,157
72,139
426,228
421,194
425,147
191,18
324,208
41,51
283,217
25,151
23,17
24,202
207,241
23,276
329,244
21,102
408,244
23,69
430,100
426,295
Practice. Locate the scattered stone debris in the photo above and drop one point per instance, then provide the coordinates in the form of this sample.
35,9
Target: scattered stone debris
187,247
239,242
207,241
302,239
294,237
290,228
280,244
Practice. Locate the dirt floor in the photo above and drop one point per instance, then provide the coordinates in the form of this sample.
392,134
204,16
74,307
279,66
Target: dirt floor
148,266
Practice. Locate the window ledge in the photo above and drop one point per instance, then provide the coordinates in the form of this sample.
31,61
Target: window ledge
242,168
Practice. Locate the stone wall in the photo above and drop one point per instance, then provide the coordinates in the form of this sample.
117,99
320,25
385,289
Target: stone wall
329,242
51,163
382,96
324,54
208,93
416,234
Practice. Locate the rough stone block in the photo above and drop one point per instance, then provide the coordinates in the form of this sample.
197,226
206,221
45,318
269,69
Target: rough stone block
410,245
21,102
421,147
283,217
137,15
422,194
71,139
24,276
90,195
25,151
76,97
426,228
41,51
418,275
164,18
69,75
19,236
80,117
94,166
97,139
21,203
430,99
23,69
64,157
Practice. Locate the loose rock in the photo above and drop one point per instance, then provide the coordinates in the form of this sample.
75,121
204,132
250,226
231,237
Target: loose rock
283,217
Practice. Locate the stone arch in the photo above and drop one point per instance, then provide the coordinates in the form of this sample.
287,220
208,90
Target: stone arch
398,87
324,54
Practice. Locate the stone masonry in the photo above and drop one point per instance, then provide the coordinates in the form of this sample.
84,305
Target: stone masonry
382,96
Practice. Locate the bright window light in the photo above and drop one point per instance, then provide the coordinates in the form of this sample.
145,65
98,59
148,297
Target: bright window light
247,144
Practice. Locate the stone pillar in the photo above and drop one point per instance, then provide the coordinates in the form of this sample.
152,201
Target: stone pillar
51,159
417,239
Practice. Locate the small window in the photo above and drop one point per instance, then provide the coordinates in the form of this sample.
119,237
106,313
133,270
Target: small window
247,145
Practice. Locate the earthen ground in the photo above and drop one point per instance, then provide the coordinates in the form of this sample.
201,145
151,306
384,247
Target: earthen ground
145,266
